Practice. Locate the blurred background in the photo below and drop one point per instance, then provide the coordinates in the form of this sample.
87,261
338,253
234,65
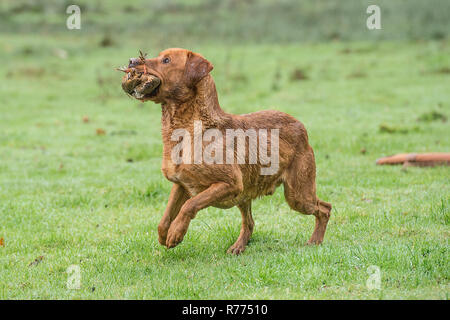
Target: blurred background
181,22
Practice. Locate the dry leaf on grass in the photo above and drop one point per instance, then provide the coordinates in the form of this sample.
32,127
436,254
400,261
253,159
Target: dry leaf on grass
100,132
2,242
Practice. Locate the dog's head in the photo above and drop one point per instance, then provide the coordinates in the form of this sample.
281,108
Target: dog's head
171,76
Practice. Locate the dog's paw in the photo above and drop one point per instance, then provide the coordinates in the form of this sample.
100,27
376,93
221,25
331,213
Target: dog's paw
314,242
162,239
162,233
176,233
236,249
173,239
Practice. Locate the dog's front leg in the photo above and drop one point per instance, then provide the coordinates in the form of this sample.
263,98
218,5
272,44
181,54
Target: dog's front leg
215,193
177,198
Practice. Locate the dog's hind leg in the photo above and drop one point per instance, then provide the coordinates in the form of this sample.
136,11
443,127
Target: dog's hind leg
300,192
178,196
246,229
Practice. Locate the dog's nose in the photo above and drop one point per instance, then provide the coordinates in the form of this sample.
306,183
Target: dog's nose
134,62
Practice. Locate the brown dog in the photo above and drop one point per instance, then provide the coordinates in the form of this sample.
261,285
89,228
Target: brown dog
187,94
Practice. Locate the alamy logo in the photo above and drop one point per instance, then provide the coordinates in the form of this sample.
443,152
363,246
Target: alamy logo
74,20
74,278
374,20
374,280
236,149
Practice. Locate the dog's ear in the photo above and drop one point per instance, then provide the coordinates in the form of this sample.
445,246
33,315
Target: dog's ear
196,68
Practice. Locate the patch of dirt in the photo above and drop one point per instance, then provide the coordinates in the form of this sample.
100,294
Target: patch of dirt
443,70
32,72
106,41
298,74
432,116
100,132
357,74
385,128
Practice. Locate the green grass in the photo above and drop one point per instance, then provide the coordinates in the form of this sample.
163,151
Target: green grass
235,21
78,198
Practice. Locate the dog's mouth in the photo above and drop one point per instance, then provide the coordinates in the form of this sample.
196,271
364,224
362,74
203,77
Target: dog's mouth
140,85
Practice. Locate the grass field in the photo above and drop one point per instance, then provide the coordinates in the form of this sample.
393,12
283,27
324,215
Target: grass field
71,196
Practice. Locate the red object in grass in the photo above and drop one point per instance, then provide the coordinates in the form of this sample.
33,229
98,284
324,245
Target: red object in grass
417,159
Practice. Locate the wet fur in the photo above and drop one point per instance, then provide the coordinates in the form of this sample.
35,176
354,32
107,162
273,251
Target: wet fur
188,93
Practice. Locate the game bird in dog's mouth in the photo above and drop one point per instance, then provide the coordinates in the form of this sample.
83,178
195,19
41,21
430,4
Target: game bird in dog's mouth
222,159
137,82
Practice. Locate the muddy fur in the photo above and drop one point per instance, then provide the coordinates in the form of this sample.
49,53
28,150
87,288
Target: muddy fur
187,93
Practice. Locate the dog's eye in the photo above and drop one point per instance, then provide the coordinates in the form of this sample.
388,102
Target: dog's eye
166,60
